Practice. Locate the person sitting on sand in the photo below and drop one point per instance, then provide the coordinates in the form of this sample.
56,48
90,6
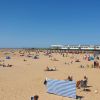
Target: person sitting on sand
85,80
78,83
50,69
45,81
77,60
83,83
36,97
9,65
70,78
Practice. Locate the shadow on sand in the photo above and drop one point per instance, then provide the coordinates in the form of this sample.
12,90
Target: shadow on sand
79,97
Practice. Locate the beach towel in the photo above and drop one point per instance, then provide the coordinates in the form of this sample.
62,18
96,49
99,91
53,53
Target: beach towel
62,88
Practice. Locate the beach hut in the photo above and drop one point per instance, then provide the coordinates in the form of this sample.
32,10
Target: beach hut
62,88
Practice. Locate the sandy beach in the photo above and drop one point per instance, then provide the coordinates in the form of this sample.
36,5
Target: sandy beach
49,49
25,78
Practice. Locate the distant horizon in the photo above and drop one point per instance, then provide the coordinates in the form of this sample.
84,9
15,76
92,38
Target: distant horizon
46,46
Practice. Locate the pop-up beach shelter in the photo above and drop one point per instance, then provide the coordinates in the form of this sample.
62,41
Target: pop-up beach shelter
8,57
62,88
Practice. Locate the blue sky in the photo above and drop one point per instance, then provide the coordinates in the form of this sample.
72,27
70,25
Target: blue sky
41,23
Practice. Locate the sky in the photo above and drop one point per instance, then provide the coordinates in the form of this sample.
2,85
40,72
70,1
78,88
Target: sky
41,23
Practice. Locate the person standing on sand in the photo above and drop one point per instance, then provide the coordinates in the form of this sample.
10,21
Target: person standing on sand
70,78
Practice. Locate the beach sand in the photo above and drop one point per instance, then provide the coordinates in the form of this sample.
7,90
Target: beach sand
25,78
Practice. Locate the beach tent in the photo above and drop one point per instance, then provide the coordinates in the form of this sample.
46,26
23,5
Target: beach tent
62,88
8,57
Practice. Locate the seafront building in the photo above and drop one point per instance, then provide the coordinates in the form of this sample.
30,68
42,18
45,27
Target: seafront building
76,47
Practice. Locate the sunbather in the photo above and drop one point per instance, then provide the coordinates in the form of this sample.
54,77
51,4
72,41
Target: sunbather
9,65
50,69
82,83
77,60
70,78
85,80
36,97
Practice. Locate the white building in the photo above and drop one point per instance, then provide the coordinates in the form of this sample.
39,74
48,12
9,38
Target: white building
76,47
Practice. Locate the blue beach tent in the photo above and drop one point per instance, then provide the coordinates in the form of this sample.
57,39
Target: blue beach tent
8,57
